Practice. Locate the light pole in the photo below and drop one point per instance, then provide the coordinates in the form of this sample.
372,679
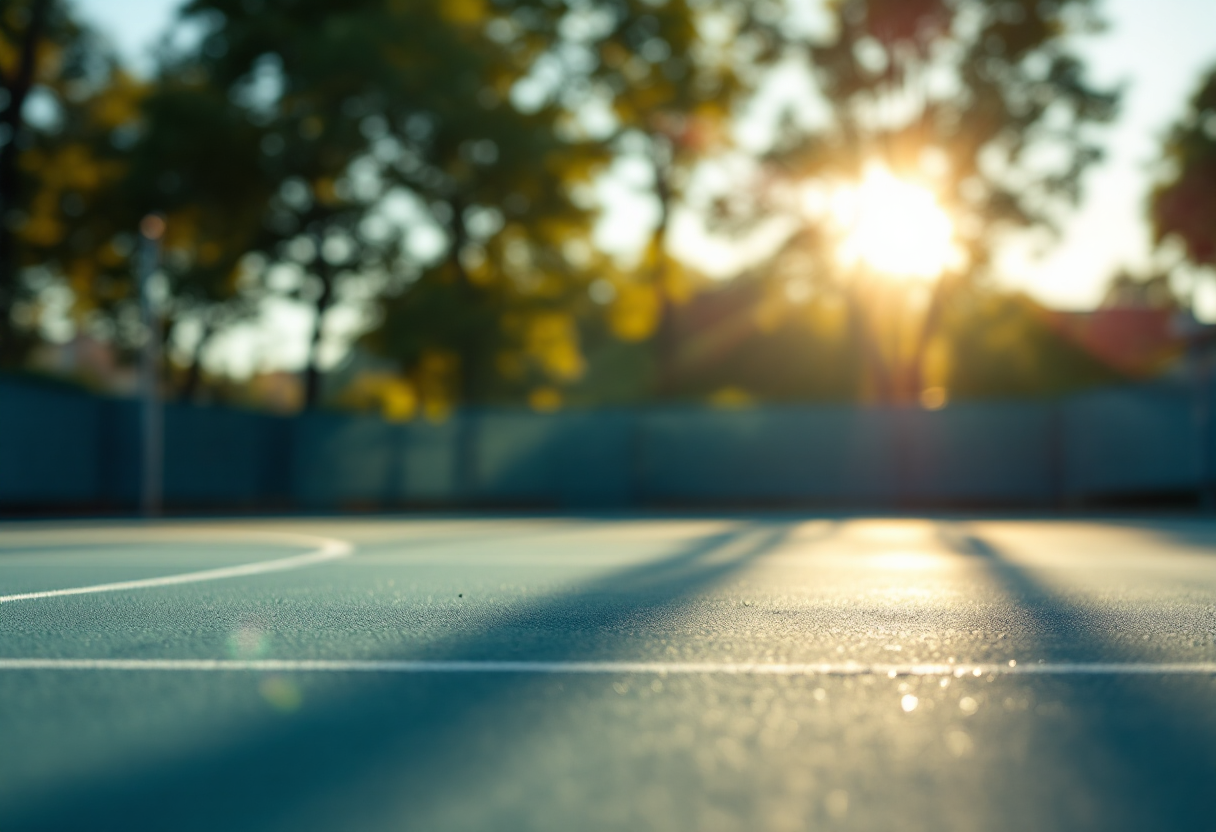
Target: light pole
151,417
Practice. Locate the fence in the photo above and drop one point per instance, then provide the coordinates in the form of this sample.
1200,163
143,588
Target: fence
63,449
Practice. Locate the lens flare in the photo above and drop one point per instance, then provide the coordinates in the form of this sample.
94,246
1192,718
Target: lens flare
893,226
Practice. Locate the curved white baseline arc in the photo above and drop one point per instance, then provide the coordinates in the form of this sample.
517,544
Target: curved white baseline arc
406,666
328,548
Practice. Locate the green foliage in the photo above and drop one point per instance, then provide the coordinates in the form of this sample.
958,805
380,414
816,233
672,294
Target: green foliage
431,161
984,104
1183,207
63,94
744,342
589,81
362,109
1001,346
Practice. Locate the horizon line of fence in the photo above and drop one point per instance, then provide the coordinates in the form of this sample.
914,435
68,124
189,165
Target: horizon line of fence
68,450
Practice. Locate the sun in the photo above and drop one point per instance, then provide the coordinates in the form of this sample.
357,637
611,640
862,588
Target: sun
893,226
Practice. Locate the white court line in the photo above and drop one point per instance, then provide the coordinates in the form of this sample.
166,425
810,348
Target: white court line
328,548
601,668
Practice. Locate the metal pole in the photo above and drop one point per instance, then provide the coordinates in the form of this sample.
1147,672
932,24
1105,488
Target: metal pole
151,416
1207,429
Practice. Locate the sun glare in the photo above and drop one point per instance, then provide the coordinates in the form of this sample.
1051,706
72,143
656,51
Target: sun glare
893,226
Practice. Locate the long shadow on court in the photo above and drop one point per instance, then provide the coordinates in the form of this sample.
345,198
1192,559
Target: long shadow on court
372,742
1139,755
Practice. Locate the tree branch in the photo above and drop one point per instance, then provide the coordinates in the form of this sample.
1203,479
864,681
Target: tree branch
27,64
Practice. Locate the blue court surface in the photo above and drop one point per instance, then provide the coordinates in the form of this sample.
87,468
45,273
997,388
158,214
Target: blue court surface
773,672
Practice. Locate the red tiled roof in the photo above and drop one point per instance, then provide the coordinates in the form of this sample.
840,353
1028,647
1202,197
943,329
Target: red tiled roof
1135,341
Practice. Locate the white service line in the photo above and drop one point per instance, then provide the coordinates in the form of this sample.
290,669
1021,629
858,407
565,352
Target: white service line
328,548
601,668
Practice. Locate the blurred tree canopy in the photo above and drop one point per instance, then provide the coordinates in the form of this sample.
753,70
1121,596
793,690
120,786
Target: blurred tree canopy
338,122
983,103
62,95
744,342
424,175
1183,207
597,80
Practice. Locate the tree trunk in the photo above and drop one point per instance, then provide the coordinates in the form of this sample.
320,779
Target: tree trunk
468,369
914,380
666,344
194,373
18,87
312,374
466,436
871,354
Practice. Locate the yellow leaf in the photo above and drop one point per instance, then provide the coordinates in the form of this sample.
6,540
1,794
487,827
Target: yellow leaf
463,12
634,313
553,342
394,397
731,398
545,399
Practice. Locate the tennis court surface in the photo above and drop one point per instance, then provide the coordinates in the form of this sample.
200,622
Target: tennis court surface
765,672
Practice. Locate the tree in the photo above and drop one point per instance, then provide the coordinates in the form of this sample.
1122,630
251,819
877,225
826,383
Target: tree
338,120
196,162
591,82
359,110
499,306
1183,206
658,82
984,105
62,96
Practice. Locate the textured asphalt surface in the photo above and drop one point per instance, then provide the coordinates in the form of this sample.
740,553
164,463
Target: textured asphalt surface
1079,749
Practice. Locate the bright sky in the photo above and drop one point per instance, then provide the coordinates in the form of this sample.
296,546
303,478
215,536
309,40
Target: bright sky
1157,47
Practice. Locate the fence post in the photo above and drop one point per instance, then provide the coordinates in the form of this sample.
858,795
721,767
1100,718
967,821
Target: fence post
1207,432
637,464
1056,439
467,450
151,413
